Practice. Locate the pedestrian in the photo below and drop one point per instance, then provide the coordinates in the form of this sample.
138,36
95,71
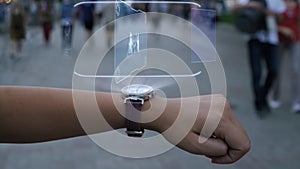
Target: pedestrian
263,46
17,29
289,36
86,14
33,8
46,16
155,17
108,18
211,16
67,22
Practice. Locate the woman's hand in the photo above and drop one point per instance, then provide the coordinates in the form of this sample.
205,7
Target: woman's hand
216,134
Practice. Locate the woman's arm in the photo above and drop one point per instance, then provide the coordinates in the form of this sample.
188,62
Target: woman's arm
34,114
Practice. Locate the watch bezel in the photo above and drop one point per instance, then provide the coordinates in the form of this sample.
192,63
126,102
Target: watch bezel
137,96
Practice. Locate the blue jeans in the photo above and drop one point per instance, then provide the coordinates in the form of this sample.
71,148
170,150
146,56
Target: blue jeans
258,52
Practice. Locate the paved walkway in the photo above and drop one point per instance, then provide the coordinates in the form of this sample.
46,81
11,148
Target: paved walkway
275,140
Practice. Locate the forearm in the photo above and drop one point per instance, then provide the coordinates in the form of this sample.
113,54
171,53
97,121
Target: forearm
30,114
33,114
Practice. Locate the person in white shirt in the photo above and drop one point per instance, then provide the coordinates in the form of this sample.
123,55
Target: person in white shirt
263,45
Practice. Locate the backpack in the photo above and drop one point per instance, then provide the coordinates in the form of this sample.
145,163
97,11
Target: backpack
249,20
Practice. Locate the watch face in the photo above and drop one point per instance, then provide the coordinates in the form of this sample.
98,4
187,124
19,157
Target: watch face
137,90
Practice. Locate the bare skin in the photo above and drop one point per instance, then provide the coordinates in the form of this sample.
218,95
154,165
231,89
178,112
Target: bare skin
33,114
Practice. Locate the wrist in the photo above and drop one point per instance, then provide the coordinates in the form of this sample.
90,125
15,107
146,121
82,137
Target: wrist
159,113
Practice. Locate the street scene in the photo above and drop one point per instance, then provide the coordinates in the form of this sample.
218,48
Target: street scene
47,58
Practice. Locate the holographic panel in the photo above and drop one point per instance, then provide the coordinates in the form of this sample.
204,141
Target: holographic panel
130,40
156,39
205,20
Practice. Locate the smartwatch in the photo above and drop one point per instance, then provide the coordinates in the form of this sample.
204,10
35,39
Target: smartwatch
134,98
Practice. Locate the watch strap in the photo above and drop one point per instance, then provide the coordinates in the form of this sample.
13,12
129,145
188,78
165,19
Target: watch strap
133,112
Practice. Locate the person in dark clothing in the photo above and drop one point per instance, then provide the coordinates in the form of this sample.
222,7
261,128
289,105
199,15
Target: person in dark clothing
17,28
46,18
87,17
263,46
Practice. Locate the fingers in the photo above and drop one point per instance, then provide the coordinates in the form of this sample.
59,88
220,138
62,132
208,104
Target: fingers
229,132
211,147
231,157
238,143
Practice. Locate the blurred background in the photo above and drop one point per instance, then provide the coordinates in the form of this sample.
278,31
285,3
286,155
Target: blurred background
43,49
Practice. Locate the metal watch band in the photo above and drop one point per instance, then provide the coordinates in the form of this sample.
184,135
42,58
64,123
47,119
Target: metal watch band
133,111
